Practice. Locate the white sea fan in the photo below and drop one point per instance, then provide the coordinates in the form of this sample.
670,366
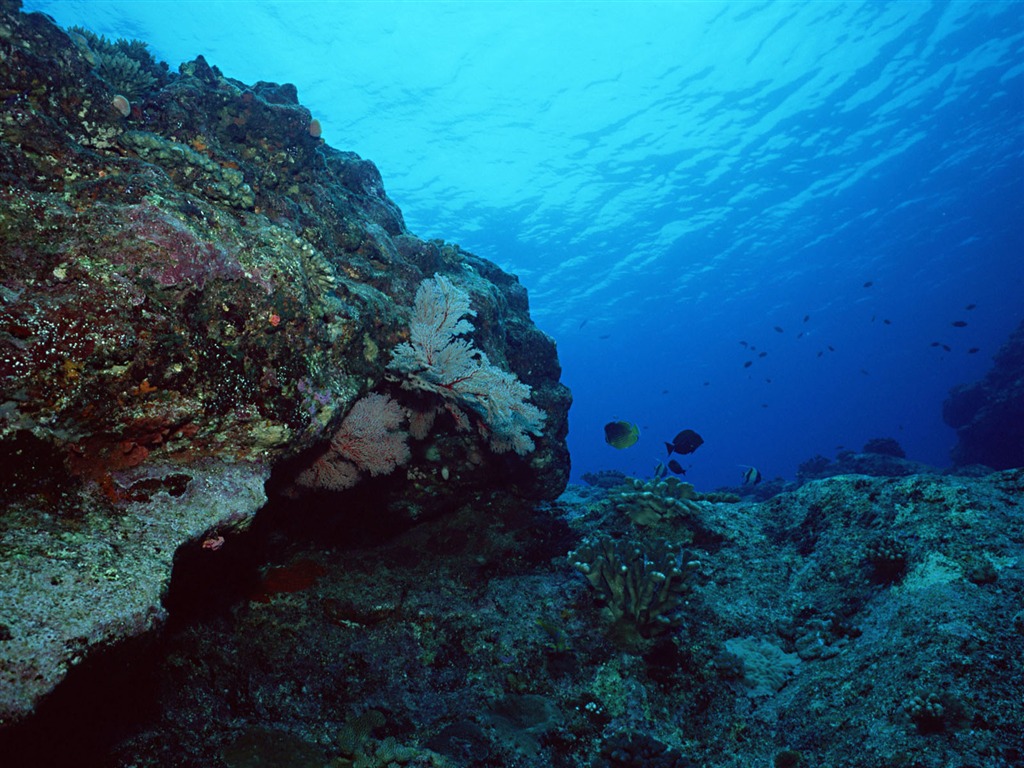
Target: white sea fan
437,359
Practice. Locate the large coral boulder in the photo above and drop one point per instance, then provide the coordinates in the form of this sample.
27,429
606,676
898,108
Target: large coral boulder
194,291
988,415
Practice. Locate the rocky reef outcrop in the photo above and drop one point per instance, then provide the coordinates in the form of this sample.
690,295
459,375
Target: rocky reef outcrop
195,290
880,457
988,415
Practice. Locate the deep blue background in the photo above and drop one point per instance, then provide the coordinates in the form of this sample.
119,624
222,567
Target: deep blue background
672,179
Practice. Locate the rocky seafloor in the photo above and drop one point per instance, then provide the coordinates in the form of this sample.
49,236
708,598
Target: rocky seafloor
853,621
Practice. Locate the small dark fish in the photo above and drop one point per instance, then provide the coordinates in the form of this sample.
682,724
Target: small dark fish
821,352
947,348
936,344
751,476
744,344
973,350
664,391
778,329
764,405
864,371
869,283
970,306
887,321
831,348
873,318
621,434
707,383
806,318
685,442
659,471
748,363
763,354
753,348
959,323
582,324
604,336
676,467
769,381
800,334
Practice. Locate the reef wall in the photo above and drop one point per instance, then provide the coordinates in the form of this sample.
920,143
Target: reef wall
988,415
195,290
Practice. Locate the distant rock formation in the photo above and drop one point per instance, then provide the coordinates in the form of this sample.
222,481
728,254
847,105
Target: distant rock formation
880,457
194,291
988,415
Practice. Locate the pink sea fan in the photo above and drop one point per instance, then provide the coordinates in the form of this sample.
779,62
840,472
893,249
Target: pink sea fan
420,422
371,436
370,439
330,472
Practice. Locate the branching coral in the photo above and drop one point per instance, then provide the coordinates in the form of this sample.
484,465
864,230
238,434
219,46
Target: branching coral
642,590
649,503
127,65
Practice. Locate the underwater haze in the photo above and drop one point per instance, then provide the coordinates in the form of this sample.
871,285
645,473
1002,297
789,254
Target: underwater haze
787,226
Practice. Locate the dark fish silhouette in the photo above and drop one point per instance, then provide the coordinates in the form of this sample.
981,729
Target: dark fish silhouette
970,306
778,329
686,441
959,323
887,321
744,344
821,352
800,334
936,344
947,348
748,363
972,350
621,434
806,318
751,476
831,348
869,283
762,354
676,467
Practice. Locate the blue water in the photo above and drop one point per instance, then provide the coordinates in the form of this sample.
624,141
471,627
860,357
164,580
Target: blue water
671,179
